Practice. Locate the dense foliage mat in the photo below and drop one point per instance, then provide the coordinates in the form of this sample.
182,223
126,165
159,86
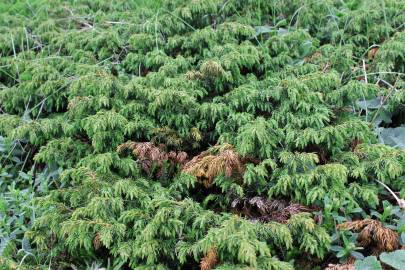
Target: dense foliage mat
211,134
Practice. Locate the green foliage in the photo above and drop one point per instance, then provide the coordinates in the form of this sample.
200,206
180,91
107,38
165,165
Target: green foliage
129,129
348,249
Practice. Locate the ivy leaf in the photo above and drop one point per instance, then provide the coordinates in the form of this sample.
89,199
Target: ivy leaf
392,136
374,103
369,263
383,116
357,255
394,259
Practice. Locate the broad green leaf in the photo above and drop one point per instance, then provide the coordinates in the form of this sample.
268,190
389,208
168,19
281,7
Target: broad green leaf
368,263
393,136
394,259
374,103
357,255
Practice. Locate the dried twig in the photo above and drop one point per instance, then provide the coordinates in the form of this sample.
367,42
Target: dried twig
400,202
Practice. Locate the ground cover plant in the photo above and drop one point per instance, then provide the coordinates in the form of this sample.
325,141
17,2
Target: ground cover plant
202,134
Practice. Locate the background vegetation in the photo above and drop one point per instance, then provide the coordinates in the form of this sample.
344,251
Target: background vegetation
202,134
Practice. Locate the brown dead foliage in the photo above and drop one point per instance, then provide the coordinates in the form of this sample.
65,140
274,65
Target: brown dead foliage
373,234
150,155
97,241
210,260
265,210
372,53
354,144
220,159
346,266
